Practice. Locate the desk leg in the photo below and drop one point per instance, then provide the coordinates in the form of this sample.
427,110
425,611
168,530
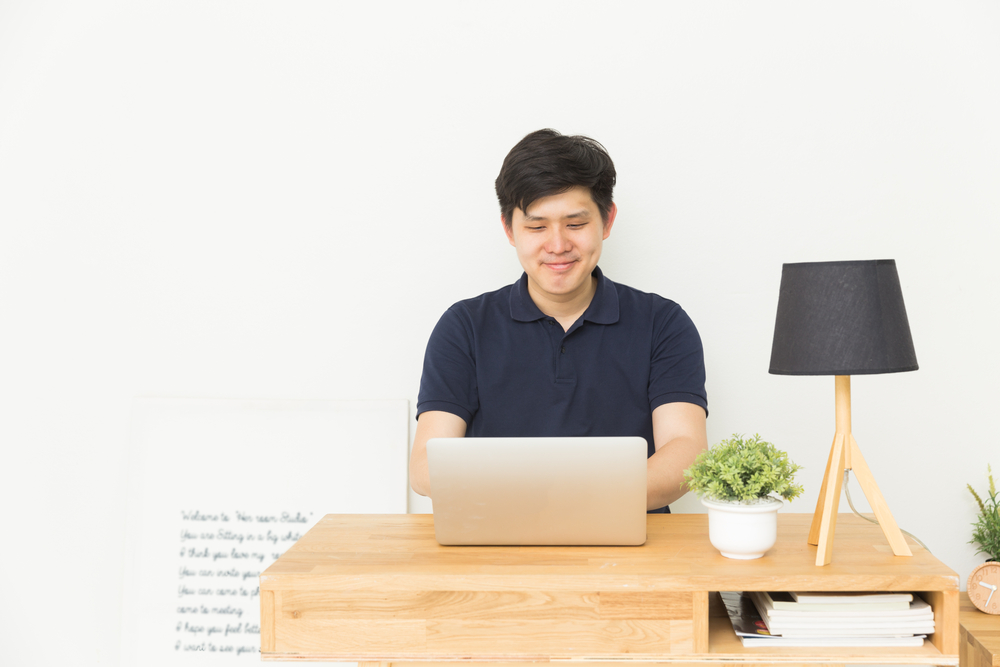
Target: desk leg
267,621
699,611
946,625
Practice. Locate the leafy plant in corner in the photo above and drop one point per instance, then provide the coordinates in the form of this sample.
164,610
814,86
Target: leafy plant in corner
986,529
743,470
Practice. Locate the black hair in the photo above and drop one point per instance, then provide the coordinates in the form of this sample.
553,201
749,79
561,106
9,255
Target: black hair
546,163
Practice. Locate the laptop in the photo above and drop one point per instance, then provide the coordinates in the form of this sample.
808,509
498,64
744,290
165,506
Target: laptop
538,491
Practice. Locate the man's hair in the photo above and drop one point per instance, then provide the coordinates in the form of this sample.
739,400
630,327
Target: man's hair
546,163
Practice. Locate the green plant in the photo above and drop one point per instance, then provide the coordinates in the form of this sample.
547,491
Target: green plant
743,470
986,529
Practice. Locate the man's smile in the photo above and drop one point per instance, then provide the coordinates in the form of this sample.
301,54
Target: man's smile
560,266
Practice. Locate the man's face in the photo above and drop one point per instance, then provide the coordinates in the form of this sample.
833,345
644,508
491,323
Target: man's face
558,241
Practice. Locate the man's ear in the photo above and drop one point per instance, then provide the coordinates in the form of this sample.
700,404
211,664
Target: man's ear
507,229
612,212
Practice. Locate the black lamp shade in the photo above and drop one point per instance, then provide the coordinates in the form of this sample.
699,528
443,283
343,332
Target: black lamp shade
841,318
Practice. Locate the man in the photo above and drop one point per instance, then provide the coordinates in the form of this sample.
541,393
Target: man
565,351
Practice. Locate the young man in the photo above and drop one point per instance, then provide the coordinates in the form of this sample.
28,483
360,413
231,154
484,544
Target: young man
564,351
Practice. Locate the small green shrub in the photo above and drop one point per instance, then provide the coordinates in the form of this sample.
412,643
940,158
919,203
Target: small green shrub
986,529
743,470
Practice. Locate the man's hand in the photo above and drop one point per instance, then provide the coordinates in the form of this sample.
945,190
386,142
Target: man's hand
679,436
431,424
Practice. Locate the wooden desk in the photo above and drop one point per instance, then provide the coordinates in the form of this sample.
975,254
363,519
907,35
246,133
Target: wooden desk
979,636
378,588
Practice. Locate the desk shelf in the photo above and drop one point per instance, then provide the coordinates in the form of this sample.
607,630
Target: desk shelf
378,588
723,644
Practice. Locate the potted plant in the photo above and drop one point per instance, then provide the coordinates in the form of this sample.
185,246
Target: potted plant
736,479
986,529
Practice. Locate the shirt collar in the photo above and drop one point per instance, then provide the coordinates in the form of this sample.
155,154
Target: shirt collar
603,309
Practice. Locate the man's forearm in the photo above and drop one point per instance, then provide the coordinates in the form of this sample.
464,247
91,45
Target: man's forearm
665,470
679,433
419,477
430,425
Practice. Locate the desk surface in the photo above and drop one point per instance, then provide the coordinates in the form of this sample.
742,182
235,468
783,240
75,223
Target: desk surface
378,587
980,636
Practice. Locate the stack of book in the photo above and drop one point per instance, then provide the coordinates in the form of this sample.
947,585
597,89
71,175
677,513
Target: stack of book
829,619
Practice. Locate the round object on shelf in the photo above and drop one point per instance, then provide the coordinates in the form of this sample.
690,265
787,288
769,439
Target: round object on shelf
984,587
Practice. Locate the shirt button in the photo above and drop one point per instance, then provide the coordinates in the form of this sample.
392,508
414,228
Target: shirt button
564,349
551,321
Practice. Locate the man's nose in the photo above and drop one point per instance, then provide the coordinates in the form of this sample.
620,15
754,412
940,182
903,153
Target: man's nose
558,242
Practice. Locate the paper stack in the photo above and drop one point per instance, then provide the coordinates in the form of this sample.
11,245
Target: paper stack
830,619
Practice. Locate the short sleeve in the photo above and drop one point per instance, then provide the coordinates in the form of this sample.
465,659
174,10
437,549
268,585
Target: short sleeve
677,362
448,382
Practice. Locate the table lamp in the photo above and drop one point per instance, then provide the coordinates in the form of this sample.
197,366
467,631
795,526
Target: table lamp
843,319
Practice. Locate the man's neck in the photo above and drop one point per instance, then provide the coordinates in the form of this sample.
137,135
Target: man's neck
564,309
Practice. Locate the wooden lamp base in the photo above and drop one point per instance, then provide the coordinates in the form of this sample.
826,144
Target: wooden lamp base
846,455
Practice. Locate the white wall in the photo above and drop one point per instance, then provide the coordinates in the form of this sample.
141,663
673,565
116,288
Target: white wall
277,200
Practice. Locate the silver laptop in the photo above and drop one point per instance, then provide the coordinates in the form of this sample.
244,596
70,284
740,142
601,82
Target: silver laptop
526,491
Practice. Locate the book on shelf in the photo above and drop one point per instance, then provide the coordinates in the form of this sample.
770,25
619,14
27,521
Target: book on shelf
909,627
817,623
827,642
777,604
846,602
743,614
749,625
852,597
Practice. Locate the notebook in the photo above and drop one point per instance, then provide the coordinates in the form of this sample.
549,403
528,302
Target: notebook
538,491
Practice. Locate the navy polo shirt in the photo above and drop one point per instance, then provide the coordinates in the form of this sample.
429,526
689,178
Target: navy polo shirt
507,369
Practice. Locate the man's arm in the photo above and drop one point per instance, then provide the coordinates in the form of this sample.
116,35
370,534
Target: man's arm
679,436
431,424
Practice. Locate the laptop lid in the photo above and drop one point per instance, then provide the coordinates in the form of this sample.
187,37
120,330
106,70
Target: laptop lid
532,491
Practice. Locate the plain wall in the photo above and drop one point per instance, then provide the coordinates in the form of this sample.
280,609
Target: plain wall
278,200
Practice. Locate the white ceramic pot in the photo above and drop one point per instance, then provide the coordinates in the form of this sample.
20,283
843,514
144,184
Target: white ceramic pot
741,530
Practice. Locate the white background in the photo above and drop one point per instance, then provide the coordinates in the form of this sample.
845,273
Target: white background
278,200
